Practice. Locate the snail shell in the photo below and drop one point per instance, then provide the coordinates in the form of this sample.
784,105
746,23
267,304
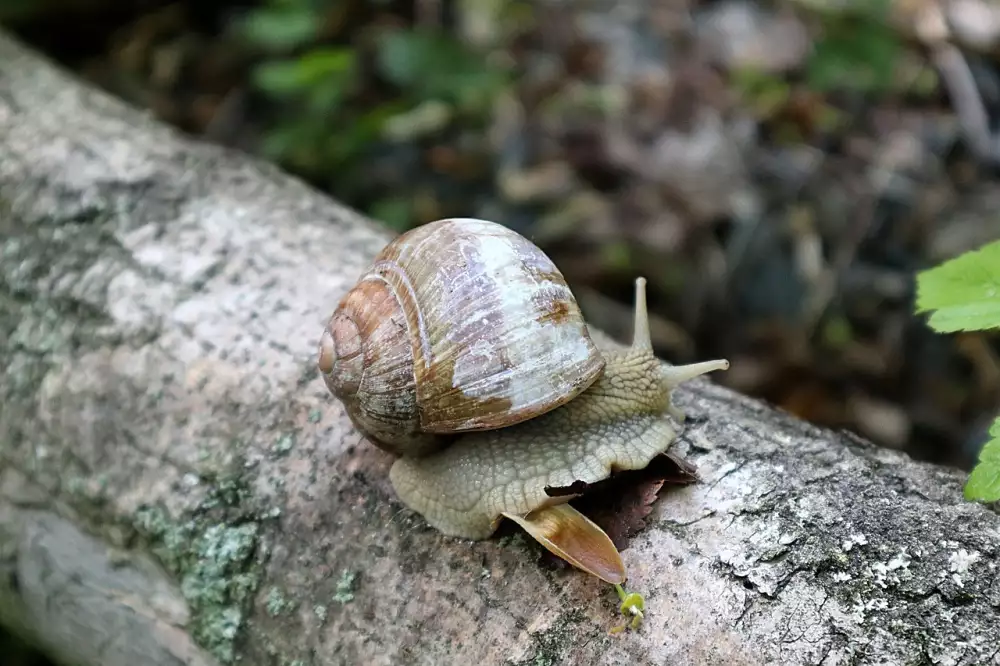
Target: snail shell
458,325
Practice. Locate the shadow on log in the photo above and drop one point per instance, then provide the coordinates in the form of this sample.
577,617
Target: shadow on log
177,486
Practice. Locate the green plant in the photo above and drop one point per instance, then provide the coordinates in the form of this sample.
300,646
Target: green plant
332,107
855,50
857,53
963,294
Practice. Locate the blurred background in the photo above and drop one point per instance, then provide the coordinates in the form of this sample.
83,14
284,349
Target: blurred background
778,170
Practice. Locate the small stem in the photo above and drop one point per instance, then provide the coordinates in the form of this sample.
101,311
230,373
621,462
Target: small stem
632,604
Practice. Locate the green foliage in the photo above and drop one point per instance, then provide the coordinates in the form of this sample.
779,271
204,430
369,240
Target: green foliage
964,295
321,77
633,605
323,90
964,292
856,50
765,93
434,66
281,26
984,481
854,53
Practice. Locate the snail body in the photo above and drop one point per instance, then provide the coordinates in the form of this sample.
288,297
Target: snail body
463,352
616,424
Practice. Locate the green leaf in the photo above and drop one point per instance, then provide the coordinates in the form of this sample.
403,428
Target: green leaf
281,29
326,67
278,77
964,291
433,65
326,97
321,64
360,135
984,481
401,56
859,55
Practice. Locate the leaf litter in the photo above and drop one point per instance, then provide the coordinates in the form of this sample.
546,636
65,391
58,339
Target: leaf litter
620,504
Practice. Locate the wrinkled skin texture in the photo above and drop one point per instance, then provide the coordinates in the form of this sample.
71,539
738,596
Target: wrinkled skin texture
472,293
618,423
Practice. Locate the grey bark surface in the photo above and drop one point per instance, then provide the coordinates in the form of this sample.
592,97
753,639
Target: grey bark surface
177,486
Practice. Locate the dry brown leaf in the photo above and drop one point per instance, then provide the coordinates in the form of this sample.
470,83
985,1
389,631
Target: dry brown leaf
620,504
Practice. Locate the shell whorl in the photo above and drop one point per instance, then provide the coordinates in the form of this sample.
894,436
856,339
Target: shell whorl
462,325
366,361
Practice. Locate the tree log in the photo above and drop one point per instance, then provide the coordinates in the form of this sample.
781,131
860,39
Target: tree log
178,487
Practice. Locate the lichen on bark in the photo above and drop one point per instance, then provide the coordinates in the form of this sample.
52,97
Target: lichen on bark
216,559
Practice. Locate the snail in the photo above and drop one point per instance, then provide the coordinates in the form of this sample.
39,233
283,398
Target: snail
463,352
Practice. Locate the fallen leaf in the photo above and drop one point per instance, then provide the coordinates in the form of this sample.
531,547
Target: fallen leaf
620,504
624,518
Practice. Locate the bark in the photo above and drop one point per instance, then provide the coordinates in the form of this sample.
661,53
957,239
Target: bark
177,487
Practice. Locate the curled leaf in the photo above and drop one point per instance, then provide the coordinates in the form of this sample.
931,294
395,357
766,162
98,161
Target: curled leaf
569,534
621,503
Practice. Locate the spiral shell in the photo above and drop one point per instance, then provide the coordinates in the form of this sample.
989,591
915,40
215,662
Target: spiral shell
458,325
